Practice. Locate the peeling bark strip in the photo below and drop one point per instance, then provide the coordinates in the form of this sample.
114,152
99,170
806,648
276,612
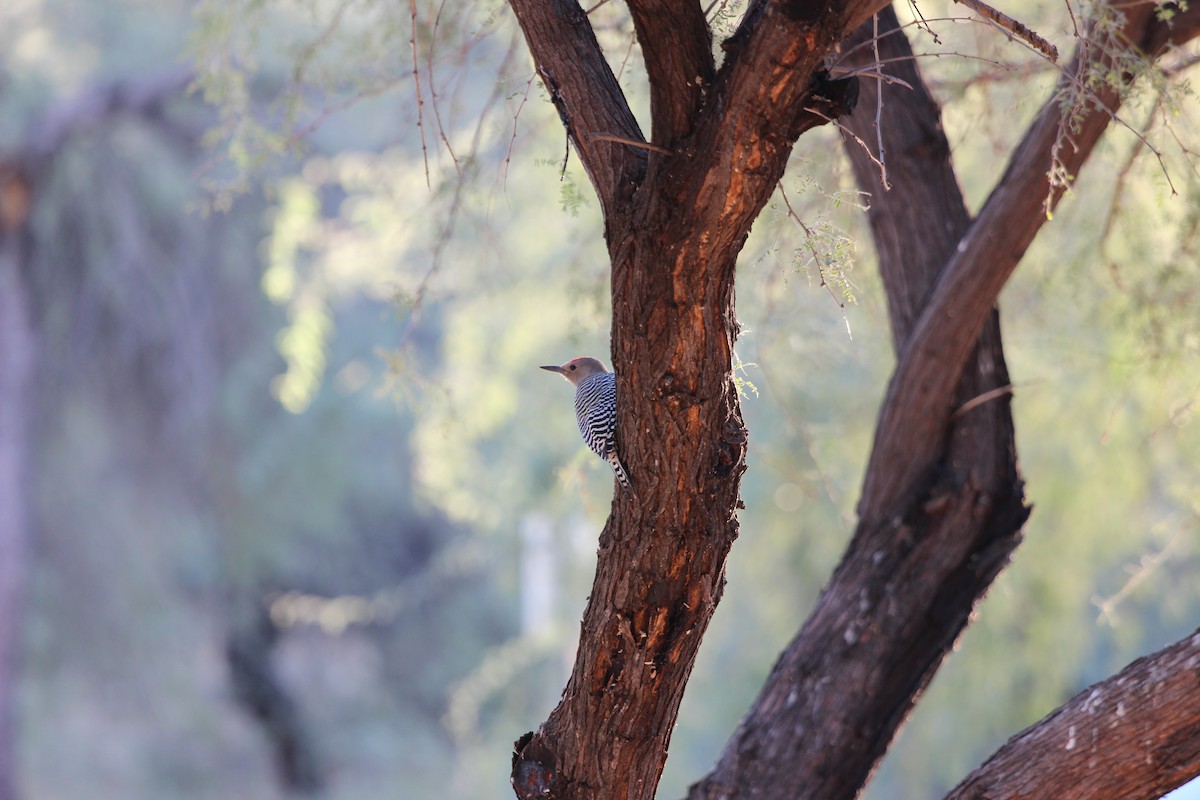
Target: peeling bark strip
942,505
1135,736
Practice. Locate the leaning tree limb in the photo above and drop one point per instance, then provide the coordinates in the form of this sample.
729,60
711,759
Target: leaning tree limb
1135,736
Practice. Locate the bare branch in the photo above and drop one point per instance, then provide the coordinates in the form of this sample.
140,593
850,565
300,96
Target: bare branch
416,77
608,137
433,94
881,155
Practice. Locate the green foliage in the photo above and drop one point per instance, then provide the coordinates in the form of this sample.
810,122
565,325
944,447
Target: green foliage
741,370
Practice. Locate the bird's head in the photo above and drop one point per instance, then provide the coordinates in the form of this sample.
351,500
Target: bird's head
577,369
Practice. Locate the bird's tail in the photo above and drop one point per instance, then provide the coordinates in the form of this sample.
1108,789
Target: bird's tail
614,461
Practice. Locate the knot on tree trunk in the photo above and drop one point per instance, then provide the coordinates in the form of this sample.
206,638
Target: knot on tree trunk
533,772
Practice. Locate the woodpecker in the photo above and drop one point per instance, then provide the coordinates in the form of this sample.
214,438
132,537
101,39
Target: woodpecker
596,409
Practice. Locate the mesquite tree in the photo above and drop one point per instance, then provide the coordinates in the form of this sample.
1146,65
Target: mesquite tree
942,505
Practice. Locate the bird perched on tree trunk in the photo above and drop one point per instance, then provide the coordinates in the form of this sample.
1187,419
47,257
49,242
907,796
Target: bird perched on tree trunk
596,409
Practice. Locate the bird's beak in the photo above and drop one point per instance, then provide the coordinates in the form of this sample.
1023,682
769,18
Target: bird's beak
559,370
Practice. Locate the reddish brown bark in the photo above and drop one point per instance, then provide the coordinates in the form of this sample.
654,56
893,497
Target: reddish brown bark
675,223
942,504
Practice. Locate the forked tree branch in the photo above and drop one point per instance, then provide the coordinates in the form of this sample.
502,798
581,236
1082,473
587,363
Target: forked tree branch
763,97
673,235
586,93
910,581
920,395
676,45
1135,736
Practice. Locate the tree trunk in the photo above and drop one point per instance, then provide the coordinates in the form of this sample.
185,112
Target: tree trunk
676,215
18,354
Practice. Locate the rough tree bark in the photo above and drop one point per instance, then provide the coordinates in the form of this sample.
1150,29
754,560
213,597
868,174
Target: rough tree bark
941,508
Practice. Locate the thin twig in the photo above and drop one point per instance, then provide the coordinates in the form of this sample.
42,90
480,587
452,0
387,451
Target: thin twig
979,400
1074,22
870,72
333,110
1146,567
967,19
1114,205
1063,136
1013,27
513,139
608,137
883,179
416,75
808,240
433,99
628,50
713,4
866,148
922,22
839,70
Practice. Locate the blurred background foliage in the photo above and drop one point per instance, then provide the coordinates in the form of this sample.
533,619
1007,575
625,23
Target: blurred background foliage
289,415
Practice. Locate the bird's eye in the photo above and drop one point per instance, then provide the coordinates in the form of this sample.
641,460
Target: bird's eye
572,366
